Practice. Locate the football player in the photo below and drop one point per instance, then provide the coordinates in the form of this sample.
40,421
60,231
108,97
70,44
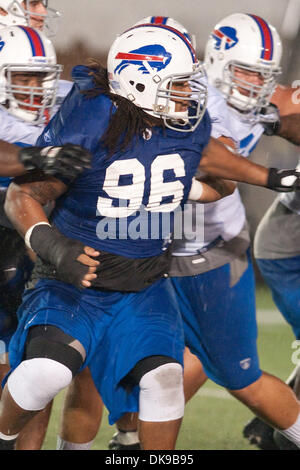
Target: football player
39,15
246,86
34,13
29,84
242,60
246,77
154,131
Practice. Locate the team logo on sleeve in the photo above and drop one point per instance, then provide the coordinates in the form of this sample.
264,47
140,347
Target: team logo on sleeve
154,56
225,37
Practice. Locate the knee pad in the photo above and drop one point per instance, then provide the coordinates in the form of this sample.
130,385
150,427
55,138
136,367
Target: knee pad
48,341
161,394
35,382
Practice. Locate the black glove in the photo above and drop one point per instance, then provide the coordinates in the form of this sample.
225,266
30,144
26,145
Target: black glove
68,160
62,252
283,181
269,118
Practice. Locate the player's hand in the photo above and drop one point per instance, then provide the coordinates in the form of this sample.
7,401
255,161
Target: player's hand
269,117
87,260
73,261
284,181
68,160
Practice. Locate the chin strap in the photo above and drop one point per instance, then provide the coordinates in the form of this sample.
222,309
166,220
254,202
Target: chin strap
24,114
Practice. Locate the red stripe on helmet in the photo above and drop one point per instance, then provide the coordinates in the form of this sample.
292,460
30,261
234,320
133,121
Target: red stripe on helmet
35,41
266,38
131,56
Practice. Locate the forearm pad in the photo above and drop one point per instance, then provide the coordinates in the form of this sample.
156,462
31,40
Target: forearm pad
62,252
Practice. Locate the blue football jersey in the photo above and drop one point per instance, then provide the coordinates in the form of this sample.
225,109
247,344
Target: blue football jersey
125,203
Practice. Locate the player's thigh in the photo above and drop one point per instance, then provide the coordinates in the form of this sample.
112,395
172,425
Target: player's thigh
218,309
148,324
283,278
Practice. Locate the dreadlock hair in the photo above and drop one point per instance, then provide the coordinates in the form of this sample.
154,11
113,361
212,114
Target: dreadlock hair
127,123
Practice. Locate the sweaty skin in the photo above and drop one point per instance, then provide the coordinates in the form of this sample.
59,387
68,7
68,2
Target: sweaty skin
24,205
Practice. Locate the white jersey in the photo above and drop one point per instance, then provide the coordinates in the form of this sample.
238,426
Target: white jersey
224,219
247,132
64,86
14,130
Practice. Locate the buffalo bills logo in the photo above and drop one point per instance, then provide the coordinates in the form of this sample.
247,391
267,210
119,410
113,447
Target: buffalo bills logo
225,37
155,56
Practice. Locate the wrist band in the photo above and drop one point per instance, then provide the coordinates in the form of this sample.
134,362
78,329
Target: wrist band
196,190
29,232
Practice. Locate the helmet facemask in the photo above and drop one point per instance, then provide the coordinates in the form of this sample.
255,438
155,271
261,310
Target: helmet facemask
29,103
49,19
244,95
168,94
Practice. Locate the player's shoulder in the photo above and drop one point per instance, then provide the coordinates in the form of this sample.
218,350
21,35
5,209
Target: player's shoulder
215,95
241,121
4,118
13,129
64,87
78,96
81,118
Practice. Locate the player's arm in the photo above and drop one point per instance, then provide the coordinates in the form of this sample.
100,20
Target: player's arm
220,162
24,203
282,117
27,195
210,189
287,99
67,160
10,163
290,128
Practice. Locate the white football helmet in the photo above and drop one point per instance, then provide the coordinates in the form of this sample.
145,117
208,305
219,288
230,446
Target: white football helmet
166,20
18,13
25,50
250,44
145,62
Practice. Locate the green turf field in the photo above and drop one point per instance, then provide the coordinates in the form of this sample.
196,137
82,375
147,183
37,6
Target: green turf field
213,419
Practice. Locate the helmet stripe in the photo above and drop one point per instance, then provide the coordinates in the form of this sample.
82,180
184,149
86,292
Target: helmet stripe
138,57
36,43
266,36
159,20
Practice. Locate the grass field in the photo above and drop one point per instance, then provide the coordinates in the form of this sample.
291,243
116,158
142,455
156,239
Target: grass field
213,419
